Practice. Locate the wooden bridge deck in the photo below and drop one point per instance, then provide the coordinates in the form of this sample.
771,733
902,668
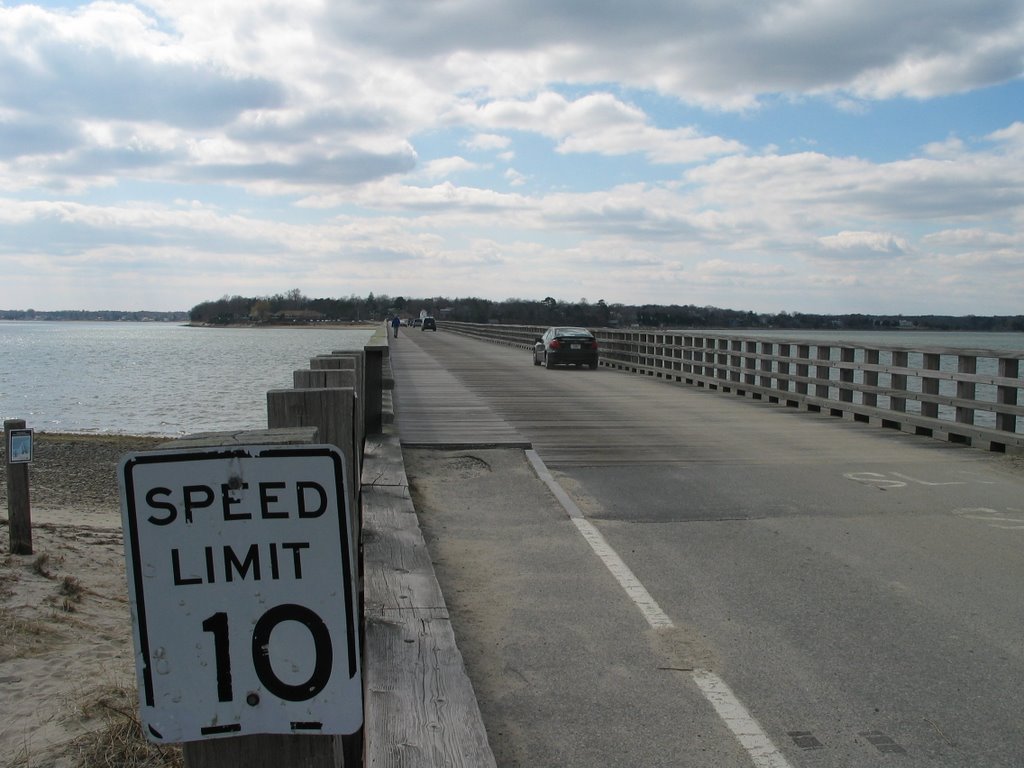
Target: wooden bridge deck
749,523
435,409
454,391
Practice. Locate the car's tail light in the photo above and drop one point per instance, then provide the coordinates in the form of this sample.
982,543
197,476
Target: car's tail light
594,345
555,344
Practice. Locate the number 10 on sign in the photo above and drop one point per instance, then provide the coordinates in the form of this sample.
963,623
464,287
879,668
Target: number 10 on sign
240,573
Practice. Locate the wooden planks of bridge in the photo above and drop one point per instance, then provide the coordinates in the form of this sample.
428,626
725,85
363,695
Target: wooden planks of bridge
436,409
458,391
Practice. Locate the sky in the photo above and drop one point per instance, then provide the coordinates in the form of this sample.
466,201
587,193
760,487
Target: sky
826,156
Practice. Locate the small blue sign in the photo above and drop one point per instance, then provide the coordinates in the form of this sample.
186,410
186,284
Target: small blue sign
19,446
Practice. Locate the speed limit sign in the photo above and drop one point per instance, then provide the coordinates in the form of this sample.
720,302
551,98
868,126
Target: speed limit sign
241,581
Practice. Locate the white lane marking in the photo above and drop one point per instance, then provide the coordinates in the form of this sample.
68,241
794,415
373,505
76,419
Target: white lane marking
744,727
882,480
876,479
994,519
925,482
637,592
748,732
544,474
991,516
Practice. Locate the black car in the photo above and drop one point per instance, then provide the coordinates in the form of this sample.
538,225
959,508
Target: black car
429,324
566,346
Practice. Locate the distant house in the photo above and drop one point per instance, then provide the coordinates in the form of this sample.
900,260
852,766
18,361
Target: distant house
297,316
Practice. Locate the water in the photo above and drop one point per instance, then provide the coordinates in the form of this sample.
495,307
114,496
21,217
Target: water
152,378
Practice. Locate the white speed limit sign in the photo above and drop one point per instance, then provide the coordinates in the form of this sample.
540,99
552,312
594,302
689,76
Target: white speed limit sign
241,581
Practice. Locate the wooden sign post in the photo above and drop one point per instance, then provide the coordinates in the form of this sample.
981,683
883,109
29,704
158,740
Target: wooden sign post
18,440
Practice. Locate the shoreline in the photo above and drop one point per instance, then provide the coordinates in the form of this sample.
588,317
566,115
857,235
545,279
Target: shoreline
345,325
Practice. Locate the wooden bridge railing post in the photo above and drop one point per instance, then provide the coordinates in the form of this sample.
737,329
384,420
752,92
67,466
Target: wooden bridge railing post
338,378
966,390
1008,368
871,377
898,382
765,365
823,372
930,386
688,354
324,379
373,381
803,352
783,383
723,360
846,355
709,357
749,362
331,411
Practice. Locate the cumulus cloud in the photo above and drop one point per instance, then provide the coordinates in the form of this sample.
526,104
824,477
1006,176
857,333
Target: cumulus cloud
609,145
108,61
1012,136
864,245
725,54
978,238
598,123
514,177
814,186
106,90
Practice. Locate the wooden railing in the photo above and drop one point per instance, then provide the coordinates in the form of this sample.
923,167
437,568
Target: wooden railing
419,707
971,396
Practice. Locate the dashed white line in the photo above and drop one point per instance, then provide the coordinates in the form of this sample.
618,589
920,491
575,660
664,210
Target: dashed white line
637,592
763,752
748,732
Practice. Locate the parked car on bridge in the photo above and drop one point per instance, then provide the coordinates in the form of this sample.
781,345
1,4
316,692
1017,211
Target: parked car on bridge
429,324
566,346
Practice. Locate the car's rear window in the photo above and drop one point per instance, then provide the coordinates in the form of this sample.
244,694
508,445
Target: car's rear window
573,332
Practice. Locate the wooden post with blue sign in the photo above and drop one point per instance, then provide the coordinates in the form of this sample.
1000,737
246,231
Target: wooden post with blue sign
18,441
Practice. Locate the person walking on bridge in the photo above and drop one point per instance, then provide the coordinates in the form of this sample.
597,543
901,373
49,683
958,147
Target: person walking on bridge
395,322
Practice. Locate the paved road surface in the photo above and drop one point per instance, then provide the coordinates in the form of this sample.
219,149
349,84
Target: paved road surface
857,589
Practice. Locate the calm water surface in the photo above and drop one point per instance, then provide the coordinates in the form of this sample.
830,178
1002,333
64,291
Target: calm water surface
151,378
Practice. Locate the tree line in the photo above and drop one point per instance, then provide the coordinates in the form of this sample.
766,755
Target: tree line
104,315
293,307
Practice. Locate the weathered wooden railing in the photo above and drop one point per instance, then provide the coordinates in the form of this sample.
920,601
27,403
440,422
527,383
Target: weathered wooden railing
972,396
419,707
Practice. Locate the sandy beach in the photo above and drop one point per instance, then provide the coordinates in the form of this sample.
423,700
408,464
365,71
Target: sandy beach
67,676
